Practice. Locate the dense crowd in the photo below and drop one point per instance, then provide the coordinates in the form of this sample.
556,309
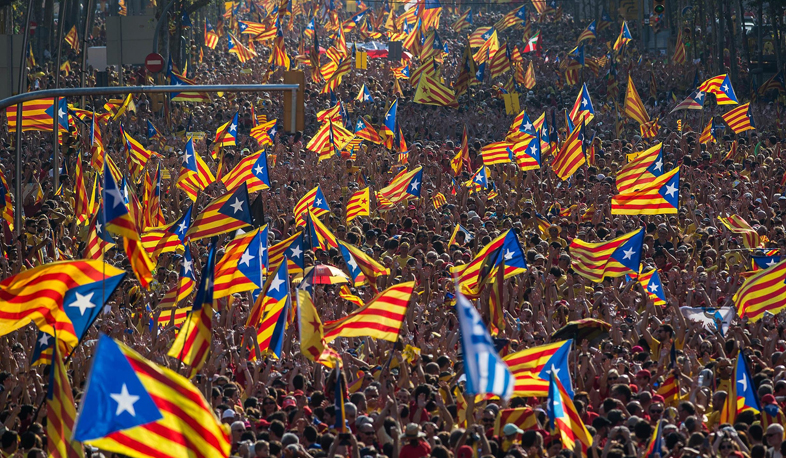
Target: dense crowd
405,400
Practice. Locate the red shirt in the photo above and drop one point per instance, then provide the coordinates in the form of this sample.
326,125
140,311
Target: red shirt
415,451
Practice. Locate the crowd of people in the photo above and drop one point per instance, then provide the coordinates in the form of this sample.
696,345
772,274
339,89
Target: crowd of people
406,399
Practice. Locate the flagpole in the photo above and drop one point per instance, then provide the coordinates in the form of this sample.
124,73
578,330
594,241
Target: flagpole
56,108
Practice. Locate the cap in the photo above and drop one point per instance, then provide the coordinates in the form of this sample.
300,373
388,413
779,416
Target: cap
643,373
229,413
511,429
298,393
288,402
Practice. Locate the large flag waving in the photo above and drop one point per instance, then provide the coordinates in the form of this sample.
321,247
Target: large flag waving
720,86
224,214
532,368
659,197
565,419
193,341
381,318
615,258
485,371
137,408
764,291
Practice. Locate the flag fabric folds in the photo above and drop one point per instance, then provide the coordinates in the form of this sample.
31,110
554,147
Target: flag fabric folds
61,412
532,367
192,343
137,408
737,225
224,214
764,291
614,258
359,204
659,197
270,311
381,318
634,108
485,370
565,419
740,118
251,170
720,86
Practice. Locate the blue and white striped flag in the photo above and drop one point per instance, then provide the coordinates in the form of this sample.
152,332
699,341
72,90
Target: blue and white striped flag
484,369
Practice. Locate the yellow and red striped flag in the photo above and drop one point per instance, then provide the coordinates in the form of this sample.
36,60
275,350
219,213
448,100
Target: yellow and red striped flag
211,37
237,48
381,318
670,390
565,419
432,92
740,118
270,311
72,38
680,56
312,339
462,155
243,265
614,258
737,225
471,276
194,175
6,202
659,197
439,200
314,200
404,186
61,412
529,77
292,248
527,366
645,168
172,417
707,134
36,115
46,295
764,291
496,153
634,108
252,170
136,152
193,341
224,214
523,417
720,86
182,289
359,204
361,266
570,156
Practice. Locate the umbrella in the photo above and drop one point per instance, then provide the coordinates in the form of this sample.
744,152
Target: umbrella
589,328
326,275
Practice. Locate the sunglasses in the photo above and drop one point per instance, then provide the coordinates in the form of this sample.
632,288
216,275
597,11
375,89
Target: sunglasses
613,378
656,412
726,447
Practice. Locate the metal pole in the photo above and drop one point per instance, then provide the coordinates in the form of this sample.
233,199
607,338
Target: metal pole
93,91
294,110
120,66
56,111
18,143
161,21
88,24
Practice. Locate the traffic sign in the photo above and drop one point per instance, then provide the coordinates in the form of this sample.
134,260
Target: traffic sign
154,63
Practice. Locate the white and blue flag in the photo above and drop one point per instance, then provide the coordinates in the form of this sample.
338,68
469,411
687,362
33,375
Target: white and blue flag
485,371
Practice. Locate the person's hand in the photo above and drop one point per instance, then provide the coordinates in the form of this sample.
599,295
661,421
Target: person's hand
421,401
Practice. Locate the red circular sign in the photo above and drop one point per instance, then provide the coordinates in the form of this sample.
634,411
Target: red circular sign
154,63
